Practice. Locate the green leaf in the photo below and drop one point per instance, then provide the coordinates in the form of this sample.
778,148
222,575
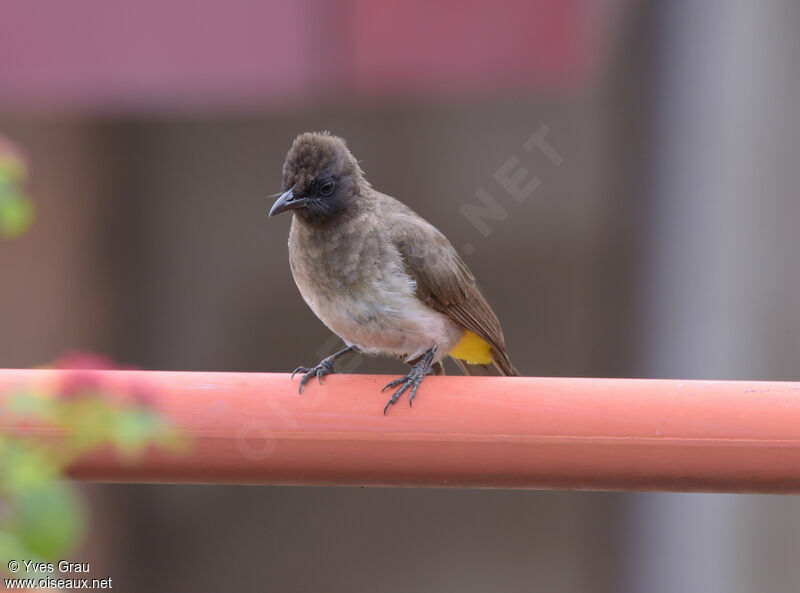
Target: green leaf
88,422
133,429
16,214
29,404
48,520
12,548
25,466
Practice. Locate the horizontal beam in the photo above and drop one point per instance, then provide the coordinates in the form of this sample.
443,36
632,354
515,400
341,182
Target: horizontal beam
598,434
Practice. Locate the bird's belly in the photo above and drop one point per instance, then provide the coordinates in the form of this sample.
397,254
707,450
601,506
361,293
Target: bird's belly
378,321
359,288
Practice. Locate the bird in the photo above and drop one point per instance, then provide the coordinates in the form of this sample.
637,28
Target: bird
378,275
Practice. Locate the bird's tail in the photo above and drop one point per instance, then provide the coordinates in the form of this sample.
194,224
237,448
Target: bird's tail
501,365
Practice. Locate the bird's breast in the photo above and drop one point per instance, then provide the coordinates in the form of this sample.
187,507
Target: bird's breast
357,285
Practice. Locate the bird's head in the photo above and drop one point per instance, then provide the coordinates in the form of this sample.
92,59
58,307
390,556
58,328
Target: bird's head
320,178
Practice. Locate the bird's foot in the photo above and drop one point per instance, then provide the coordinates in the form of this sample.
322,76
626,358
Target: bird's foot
325,367
410,382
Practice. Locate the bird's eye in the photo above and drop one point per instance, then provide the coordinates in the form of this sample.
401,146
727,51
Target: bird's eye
327,187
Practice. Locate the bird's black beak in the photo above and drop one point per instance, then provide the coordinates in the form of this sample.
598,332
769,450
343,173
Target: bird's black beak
287,201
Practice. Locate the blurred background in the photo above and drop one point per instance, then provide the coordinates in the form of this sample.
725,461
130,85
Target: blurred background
657,237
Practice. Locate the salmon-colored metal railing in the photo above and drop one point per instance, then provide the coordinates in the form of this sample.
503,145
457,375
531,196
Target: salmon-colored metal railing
610,434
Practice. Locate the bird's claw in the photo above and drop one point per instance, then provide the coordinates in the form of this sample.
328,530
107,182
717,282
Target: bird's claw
325,367
407,382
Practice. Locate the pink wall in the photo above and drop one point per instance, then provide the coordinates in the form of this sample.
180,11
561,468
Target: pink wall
162,55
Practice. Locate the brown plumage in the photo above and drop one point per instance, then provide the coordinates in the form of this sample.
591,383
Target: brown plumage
378,275
445,283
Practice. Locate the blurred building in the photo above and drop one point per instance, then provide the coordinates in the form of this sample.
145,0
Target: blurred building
659,242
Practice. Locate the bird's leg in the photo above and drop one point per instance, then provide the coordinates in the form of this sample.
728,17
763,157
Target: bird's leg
325,367
412,380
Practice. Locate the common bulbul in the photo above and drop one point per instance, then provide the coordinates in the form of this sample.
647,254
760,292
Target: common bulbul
383,279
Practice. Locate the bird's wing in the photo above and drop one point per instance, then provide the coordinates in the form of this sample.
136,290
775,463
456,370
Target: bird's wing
443,280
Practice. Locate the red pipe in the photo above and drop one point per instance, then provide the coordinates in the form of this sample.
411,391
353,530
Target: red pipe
598,434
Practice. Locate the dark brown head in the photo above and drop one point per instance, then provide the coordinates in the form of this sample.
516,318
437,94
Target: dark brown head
320,178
